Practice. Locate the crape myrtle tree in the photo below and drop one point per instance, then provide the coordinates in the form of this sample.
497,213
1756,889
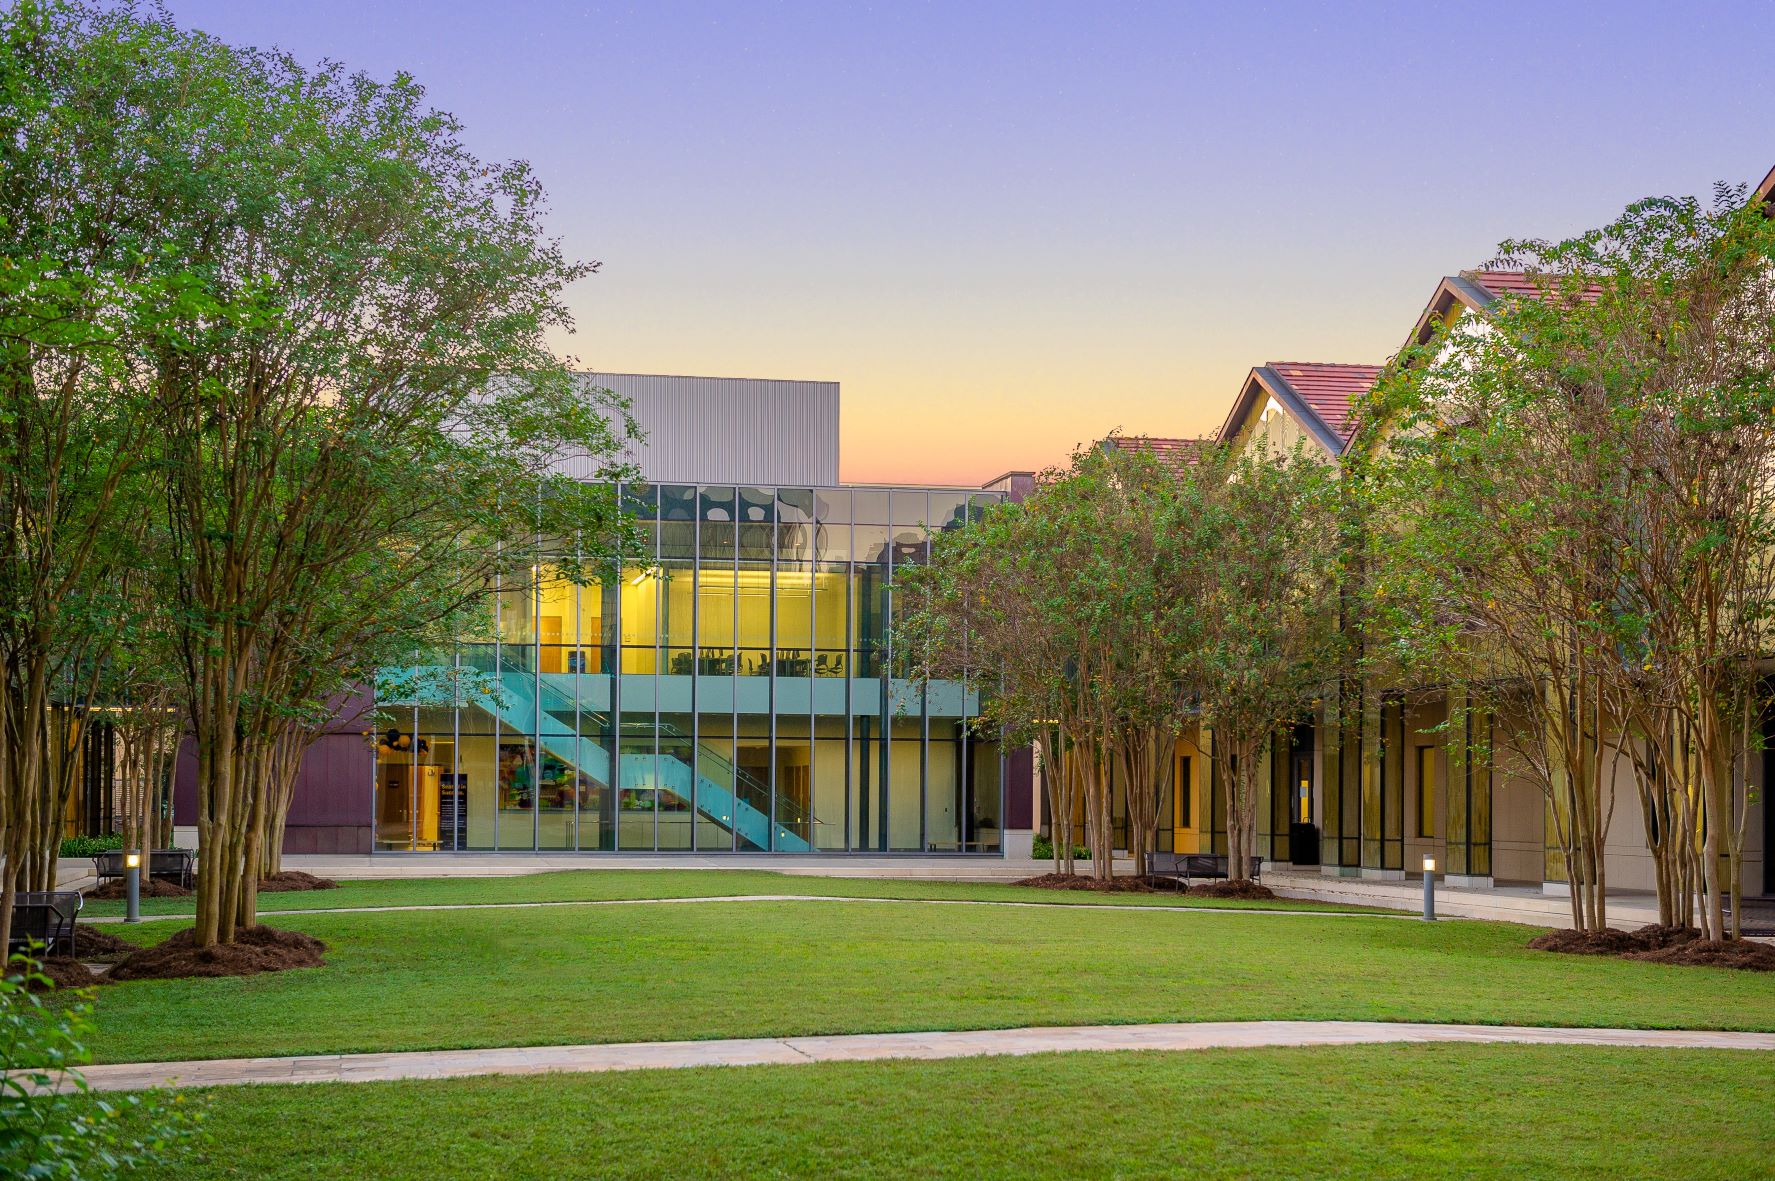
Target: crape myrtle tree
1493,551
357,416
1686,306
1053,606
1571,514
1254,609
81,90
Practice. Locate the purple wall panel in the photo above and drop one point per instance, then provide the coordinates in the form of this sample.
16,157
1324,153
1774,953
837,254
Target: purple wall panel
1019,788
332,808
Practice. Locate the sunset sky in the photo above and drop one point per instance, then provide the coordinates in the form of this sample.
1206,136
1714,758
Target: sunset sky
1009,228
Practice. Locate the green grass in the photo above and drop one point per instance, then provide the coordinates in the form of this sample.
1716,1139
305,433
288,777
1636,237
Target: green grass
560,975
583,885
1358,1112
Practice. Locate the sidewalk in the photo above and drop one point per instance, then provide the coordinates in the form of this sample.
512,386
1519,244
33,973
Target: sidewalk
951,868
1509,904
868,1047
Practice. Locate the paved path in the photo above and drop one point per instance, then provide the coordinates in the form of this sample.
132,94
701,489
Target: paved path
267,914
862,1047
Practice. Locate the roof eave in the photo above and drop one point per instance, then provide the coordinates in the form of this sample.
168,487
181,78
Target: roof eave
1278,388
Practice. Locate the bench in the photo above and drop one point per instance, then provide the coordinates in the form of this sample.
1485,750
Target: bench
46,917
1188,866
169,865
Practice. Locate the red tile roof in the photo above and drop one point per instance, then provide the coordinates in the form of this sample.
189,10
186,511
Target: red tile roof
1500,284
1329,390
1173,453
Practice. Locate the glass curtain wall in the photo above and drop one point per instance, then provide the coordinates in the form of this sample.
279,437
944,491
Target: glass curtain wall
729,686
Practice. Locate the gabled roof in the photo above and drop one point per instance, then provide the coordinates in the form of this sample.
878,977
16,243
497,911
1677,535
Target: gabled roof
1477,291
1765,194
1320,396
1176,454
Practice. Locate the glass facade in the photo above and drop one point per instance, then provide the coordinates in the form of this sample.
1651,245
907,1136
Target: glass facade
728,687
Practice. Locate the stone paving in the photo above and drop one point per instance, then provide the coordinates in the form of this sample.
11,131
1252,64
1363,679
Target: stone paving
864,1047
1346,914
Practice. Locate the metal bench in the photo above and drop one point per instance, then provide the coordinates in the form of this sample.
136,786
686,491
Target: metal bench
1214,865
1186,867
169,865
46,917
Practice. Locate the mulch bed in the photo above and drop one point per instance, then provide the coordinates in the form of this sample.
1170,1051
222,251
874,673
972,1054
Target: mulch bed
1714,953
63,972
90,943
1251,891
1129,885
256,949
1660,945
117,889
1248,890
289,880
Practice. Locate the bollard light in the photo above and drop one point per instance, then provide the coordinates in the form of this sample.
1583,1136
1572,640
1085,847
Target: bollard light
132,879
1429,889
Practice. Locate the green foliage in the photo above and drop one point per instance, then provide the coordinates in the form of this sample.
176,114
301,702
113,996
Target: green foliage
280,403
72,1133
87,846
1043,849
1125,603
1567,509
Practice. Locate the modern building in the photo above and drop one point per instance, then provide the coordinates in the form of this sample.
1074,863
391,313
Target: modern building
731,687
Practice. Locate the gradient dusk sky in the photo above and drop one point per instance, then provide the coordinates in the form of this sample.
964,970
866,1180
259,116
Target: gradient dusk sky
1009,228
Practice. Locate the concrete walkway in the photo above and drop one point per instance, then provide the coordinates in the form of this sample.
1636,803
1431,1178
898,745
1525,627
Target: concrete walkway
866,1047
267,914
949,867
1509,904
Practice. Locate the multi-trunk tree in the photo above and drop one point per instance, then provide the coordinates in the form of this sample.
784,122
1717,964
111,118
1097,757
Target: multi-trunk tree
1253,611
357,412
82,90
1572,514
1127,604
271,352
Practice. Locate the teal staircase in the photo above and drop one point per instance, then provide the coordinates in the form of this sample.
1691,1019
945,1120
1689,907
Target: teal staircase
743,808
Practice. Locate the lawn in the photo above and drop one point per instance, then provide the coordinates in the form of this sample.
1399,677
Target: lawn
562,975
583,885
1359,1112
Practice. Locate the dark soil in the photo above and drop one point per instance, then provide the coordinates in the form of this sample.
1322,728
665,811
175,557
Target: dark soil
1661,945
90,943
1656,938
290,880
1608,941
1238,888
117,889
63,972
1130,885
1714,953
256,949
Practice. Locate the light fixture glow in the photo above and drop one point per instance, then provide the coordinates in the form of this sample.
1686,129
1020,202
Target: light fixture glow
1429,865
132,860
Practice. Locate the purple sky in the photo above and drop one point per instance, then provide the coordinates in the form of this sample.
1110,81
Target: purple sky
1009,228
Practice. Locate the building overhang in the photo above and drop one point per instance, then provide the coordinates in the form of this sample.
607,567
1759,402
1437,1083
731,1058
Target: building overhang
1265,383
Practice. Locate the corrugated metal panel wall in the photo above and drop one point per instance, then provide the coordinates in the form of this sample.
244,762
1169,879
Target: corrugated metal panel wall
727,430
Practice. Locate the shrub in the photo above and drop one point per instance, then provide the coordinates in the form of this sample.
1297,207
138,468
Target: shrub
87,846
1044,849
73,1134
